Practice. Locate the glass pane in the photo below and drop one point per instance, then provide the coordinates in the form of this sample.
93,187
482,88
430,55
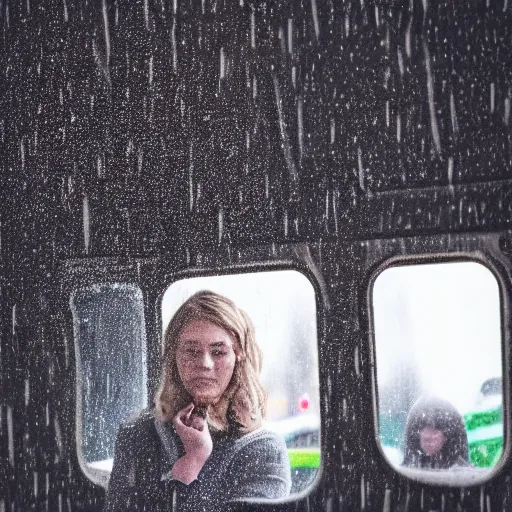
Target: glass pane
282,307
439,369
110,341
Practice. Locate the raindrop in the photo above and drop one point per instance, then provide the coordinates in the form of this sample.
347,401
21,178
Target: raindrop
335,211
22,151
356,360
408,38
387,501
453,114
140,158
27,392
290,164
13,319
450,172
86,223
314,13
222,64
221,224
190,182
300,125
58,436
173,45
506,115
400,61
431,103
360,169
493,94
290,36
66,351
100,165
10,436
150,70
398,128
363,493
253,30
107,31
146,14
35,483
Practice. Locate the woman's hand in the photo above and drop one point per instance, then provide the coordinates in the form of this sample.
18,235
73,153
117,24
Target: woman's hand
197,441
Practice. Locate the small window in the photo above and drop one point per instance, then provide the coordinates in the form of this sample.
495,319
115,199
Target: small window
437,330
282,307
110,340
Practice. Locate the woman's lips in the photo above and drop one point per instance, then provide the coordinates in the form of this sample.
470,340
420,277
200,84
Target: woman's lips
204,380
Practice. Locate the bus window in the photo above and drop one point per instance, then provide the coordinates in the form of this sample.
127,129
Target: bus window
282,307
110,341
437,341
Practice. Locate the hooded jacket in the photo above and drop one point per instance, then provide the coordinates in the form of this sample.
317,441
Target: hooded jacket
255,465
439,414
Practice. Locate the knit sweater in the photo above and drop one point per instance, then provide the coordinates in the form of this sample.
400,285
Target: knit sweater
253,466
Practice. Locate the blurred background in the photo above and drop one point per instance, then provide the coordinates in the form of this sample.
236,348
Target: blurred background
438,331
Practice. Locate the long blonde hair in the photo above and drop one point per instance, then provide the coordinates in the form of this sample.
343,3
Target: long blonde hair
243,404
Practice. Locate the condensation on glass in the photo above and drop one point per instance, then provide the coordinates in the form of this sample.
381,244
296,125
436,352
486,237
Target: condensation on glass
438,349
282,307
110,344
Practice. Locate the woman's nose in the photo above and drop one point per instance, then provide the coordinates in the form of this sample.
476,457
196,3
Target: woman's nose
206,360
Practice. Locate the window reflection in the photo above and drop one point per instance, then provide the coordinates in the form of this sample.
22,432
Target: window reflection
437,335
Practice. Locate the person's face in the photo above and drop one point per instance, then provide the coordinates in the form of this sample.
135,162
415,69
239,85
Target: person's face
206,359
431,440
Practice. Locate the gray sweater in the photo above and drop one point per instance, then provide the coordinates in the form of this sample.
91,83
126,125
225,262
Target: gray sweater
255,465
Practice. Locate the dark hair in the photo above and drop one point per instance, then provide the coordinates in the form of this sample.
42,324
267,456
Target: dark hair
439,414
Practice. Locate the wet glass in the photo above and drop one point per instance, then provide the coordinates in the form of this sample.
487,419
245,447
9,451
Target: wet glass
438,351
110,347
282,307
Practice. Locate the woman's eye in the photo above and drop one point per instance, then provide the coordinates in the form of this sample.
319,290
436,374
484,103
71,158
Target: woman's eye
218,353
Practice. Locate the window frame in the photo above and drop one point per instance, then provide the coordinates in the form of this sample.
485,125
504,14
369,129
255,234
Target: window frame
153,276
492,262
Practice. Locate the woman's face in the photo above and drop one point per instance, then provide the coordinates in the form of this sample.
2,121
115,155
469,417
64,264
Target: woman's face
206,359
431,440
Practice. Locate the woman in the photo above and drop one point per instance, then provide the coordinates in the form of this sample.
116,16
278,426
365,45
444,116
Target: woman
435,436
203,446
